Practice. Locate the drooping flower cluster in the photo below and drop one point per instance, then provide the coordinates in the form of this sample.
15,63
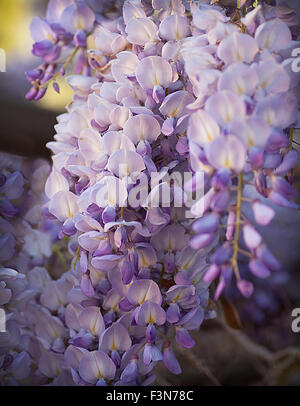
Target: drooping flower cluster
61,39
175,88
239,136
26,242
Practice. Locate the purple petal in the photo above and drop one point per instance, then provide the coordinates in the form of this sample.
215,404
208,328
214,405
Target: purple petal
245,287
266,256
259,269
173,313
42,48
154,71
142,127
226,152
230,225
221,179
206,224
32,93
220,201
152,354
147,354
7,246
151,313
278,110
151,333
77,16
96,365
174,27
142,290
222,255
127,272
106,262
212,273
115,337
288,162
125,305
91,320
168,126
86,286
40,30
277,141
220,288
141,30
80,38
130,372
273,35
109,214
263,214
170,360
237,47
7,209
281,186
202,128
73,356
183,338
69,228
280,200
202,241
251,237
256,157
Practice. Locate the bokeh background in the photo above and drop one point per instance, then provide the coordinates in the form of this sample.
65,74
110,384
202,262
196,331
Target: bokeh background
25,127
234,349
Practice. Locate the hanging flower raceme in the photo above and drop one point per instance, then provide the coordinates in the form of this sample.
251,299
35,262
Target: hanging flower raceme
240,138
61,40
31,337
175,89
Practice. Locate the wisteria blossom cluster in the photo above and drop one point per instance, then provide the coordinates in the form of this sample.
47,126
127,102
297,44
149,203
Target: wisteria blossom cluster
26,244
61,38
167,87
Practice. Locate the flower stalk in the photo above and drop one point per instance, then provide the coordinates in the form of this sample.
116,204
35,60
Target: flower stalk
65,65
237,227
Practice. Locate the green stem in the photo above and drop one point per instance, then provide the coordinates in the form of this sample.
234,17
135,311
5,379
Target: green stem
291,133
242,14
77,256
65,65
244,252
237,227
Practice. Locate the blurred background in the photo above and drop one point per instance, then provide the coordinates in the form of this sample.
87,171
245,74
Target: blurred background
250,342
25,126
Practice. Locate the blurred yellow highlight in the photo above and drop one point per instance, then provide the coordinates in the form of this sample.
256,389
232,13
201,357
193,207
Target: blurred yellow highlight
15,39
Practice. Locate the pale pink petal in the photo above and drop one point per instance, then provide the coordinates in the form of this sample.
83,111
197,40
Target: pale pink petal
63,205
237,47
174,27
202,128
141,30
154,71
273,35
142,127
